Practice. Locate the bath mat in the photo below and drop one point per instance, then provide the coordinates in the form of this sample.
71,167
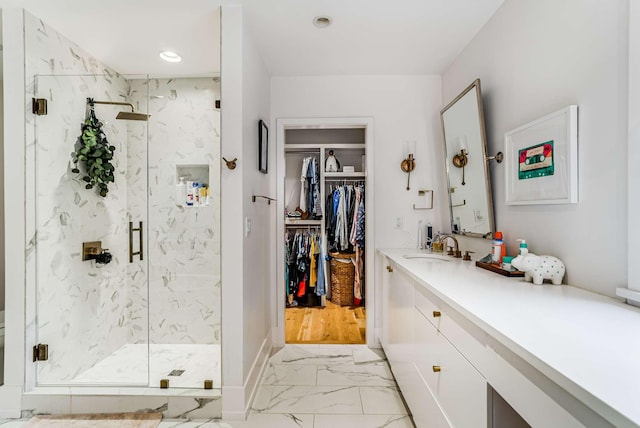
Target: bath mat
97,420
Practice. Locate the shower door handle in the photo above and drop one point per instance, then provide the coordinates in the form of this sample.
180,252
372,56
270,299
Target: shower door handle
141,251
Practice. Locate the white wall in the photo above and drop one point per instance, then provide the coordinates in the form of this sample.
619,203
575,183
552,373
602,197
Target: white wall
258,268
634,148
2,281
14,131
535,57
403,108
246,261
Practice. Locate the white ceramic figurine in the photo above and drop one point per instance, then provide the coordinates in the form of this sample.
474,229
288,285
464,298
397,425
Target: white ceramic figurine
539,268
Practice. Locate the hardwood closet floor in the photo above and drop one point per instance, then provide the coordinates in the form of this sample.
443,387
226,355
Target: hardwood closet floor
332,324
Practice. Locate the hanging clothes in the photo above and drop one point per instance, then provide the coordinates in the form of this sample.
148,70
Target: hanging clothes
304,189
304,279
344,214
310,204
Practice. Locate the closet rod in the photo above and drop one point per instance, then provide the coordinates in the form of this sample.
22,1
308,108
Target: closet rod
302,152
267,198
343,180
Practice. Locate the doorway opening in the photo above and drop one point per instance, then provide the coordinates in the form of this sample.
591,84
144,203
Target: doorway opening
325,257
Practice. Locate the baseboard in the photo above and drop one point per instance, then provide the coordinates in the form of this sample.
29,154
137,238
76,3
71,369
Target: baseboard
632,296
237,400
10,401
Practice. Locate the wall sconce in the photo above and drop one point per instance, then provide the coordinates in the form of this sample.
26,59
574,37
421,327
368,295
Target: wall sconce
409,164
460,160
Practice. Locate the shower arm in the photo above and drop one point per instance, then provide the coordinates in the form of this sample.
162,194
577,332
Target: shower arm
115,104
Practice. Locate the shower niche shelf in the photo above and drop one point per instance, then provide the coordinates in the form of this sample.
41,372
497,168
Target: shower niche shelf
188,176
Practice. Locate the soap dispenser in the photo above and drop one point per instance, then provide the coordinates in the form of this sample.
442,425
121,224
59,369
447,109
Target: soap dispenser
523,247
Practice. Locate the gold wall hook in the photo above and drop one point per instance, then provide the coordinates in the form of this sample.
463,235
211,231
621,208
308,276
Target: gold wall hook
231,164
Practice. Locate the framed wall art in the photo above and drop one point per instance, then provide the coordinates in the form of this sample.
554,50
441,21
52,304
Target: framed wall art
542,160
263,147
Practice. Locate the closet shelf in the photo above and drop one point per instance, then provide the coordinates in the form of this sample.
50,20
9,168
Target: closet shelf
291,221
317,147
344,174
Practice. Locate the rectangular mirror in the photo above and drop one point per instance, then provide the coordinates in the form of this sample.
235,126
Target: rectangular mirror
469,183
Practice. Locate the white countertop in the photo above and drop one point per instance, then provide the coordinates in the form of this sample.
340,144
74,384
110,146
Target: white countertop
587,343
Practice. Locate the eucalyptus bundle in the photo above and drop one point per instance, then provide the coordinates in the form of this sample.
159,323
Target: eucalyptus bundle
94,154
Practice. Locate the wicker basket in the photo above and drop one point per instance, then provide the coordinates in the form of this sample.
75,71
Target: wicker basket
342,276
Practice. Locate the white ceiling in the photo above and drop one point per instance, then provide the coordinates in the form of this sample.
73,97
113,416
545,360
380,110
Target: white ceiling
366,37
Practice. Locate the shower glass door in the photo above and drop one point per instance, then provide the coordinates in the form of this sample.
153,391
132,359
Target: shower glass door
92,310
142,319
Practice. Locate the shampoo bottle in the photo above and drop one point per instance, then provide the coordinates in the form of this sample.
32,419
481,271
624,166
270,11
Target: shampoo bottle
181,193
497,249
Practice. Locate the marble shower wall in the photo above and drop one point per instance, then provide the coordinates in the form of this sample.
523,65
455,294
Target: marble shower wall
184,242
84,311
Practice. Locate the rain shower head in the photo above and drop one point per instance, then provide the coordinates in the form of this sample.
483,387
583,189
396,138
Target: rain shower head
132,115
126,115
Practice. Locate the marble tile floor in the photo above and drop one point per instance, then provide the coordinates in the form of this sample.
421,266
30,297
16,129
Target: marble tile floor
317,386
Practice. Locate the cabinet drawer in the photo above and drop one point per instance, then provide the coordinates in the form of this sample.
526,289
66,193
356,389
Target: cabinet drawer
429,309
425,410
467,338
460,390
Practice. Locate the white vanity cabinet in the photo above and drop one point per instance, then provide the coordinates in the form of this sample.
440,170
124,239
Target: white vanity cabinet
441,387
469,349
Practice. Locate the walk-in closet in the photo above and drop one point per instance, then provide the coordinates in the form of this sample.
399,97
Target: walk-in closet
324,240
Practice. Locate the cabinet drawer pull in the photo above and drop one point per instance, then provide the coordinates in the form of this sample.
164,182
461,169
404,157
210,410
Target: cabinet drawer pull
436,314
389,268
436,369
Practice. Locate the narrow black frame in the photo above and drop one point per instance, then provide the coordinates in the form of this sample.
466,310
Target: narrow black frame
263,147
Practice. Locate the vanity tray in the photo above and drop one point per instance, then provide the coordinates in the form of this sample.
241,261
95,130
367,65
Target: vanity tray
499,270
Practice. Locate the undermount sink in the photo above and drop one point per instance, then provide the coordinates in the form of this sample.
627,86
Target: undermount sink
426,257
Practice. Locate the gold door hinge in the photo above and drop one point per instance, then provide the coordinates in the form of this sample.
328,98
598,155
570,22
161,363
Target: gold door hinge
164,383
389,268
39,106
40,352
208,384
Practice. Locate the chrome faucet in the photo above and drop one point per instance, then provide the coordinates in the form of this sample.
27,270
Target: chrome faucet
456,251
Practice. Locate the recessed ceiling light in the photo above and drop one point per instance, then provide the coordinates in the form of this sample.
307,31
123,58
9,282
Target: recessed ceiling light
322,21
170,56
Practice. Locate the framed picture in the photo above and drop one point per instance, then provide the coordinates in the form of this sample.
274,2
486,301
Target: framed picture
542,160
263,147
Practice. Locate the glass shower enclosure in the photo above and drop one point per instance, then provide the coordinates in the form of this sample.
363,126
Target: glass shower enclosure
127,284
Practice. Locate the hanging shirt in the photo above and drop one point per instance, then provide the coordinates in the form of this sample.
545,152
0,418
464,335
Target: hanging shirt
313,255
304,185
360,231
342,221
321,288
354,222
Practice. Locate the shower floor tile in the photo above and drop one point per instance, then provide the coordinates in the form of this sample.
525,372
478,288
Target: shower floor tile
130,365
